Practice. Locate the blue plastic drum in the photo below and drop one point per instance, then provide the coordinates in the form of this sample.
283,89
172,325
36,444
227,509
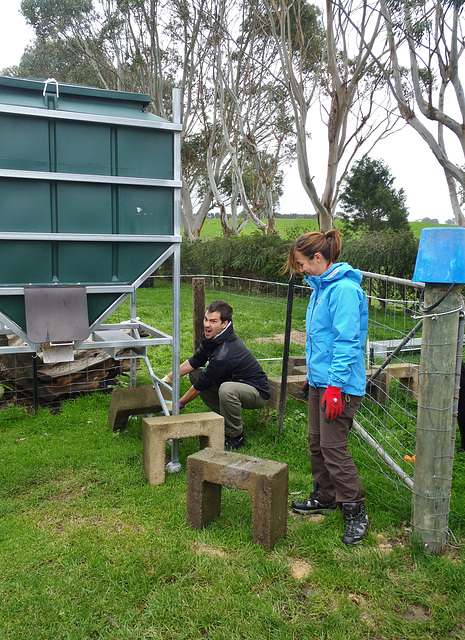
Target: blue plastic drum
441,256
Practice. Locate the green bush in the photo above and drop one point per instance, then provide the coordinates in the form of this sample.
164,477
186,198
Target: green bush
257,257
385,252
261,257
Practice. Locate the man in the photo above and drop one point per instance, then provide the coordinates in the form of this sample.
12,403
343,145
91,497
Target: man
233,378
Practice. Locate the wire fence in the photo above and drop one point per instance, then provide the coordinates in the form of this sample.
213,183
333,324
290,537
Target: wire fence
384,431
385,428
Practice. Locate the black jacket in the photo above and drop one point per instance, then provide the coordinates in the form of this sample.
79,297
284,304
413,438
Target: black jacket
228,359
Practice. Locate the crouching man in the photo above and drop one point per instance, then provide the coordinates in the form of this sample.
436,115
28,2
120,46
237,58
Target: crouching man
232,380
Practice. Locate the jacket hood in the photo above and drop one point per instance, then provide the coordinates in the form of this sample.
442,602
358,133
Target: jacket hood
336,272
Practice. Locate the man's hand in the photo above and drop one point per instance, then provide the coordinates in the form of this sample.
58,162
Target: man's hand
332,403
166,378
169,406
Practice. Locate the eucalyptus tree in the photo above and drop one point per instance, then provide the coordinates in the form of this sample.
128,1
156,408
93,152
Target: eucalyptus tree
326,66
93,31
47,58
255,123
427,44
202,46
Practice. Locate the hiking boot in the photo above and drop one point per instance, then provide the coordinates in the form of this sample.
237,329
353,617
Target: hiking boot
231,443
313,504
357,522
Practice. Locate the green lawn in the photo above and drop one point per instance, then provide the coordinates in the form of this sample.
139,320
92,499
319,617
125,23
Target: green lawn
89,550
212,228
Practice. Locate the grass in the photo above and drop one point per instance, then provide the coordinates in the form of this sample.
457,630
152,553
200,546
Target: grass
212,227
284,226
89,550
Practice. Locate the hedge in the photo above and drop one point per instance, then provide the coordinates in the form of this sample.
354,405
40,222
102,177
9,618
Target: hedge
261,257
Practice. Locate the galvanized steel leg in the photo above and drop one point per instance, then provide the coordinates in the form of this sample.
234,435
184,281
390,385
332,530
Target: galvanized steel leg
174,465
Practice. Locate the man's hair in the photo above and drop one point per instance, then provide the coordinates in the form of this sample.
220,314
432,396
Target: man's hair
225,310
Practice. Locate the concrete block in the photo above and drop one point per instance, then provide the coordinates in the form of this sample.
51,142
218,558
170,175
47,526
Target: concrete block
407,374
208,427
378,389
132,401
297,365
294,389
265,480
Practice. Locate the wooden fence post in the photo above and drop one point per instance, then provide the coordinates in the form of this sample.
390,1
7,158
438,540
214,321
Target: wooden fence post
433,467
198,309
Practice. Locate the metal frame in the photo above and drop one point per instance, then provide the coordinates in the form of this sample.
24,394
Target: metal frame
125,290
98,178
174,465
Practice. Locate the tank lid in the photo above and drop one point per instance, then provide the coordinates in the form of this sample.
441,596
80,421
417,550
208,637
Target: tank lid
36,84
441,255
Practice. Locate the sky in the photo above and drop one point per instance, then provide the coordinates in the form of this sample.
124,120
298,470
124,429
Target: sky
407,156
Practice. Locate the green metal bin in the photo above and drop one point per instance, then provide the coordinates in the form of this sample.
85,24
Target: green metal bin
89,196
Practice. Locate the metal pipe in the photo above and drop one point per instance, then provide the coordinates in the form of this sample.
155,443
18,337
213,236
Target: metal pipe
174,465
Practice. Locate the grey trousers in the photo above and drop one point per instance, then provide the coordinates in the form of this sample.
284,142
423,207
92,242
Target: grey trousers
332,465
227,399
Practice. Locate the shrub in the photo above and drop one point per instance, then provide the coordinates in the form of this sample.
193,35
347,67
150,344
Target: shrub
386,252
261,257
256,256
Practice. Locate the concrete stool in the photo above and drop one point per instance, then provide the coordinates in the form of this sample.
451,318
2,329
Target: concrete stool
156,431
265,480
407,374
132,401
295,383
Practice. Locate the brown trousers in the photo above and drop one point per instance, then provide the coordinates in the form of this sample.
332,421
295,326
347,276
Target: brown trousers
332,465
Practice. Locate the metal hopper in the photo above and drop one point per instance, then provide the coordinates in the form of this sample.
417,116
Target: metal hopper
89,208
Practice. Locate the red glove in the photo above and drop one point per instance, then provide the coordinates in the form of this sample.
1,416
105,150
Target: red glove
332,403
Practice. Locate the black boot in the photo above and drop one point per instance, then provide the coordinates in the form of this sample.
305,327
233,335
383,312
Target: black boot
234,442
313,504
357,522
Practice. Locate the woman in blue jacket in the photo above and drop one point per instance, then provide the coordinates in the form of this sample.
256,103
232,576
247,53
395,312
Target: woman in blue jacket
336,325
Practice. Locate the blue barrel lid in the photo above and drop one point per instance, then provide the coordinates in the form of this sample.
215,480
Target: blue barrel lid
441,255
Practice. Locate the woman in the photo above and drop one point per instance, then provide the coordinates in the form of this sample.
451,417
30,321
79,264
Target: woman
336,325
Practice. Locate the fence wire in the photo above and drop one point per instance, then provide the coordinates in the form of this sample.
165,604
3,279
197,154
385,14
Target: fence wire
384,440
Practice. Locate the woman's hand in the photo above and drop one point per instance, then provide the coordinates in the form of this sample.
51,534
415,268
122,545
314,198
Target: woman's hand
332,403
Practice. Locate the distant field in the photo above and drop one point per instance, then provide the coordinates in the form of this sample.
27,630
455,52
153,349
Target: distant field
212,228
418,226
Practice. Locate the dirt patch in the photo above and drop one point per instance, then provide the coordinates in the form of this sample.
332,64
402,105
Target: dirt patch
300,569
386,544
297,337
313,517
357,599
417,613
210,551
453,554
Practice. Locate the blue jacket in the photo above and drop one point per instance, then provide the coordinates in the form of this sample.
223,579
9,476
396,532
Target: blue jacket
337,324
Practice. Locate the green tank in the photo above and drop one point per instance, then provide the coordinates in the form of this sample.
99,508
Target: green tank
89,203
